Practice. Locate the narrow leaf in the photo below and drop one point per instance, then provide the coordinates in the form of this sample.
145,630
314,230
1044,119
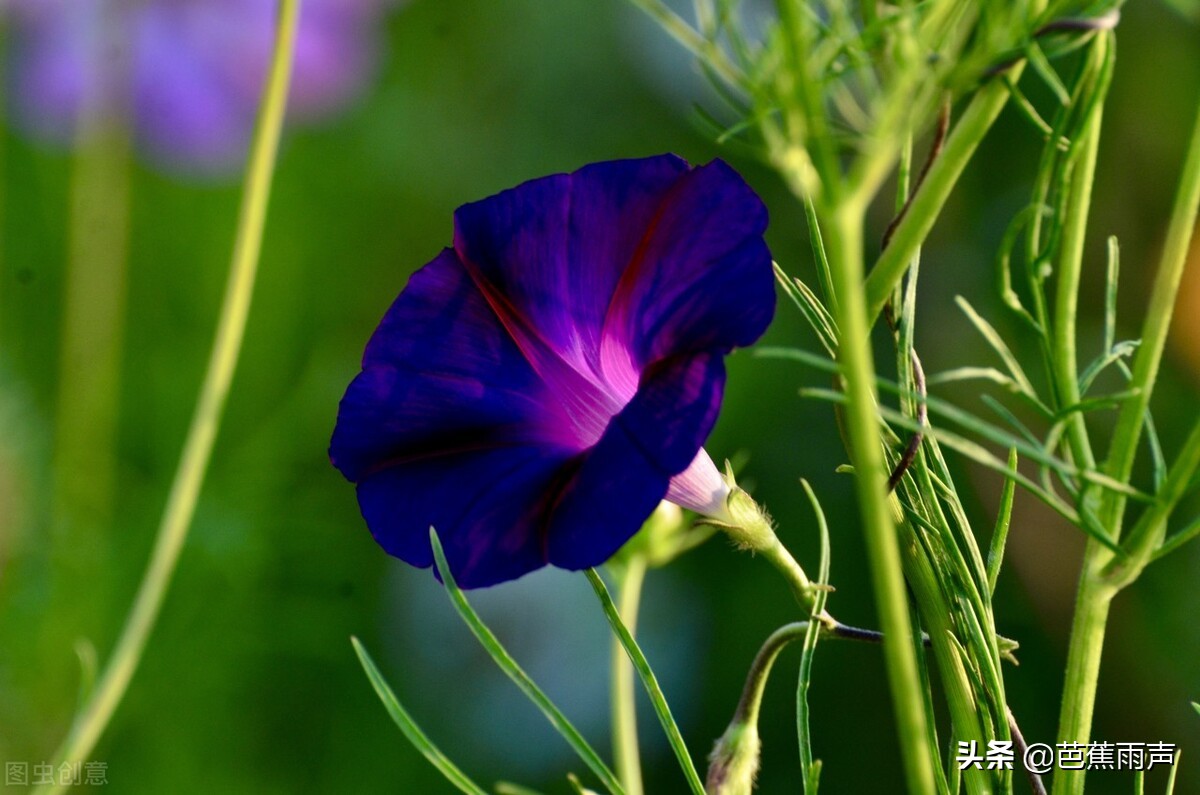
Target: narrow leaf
507,664
648,680
409,727
1003,519
997,343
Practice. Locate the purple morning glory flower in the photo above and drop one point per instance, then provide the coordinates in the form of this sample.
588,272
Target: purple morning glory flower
539,387
190,72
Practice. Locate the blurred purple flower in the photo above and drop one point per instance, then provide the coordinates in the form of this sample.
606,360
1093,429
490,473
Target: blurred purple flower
189,71
537,389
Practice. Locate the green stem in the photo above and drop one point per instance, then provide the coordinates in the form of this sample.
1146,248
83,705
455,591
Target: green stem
1083,661
930,198
1151,527
844,244
1096,590
1154,329
760,670
624,705
189,477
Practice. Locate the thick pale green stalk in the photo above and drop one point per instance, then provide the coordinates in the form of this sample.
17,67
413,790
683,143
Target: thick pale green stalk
1095,589
181,504
626,757
843,227
931,196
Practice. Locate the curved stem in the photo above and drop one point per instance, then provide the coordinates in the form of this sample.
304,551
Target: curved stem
624,704
109,690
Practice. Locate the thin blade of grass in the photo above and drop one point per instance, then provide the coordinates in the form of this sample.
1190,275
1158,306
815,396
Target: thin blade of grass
1003,520
514,671
410,728
649,680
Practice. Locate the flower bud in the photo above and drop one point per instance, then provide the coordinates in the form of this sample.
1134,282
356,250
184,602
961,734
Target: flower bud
733,763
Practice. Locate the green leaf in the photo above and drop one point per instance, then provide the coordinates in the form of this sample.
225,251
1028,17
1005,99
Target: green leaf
1003,519
514,671
649,681
819,319
409,727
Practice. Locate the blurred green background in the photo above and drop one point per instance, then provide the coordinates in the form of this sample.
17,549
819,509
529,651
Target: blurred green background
249,684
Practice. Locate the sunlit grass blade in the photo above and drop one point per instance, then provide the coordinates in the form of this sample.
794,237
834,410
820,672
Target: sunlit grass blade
410,728
810,769
514,671
1003,519
649,680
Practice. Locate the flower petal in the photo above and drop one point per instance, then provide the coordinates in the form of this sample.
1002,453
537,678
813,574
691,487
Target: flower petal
441,375
702,277
557,246
489,508
655,437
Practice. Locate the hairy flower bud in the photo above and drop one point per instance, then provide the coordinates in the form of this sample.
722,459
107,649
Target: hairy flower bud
733,763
